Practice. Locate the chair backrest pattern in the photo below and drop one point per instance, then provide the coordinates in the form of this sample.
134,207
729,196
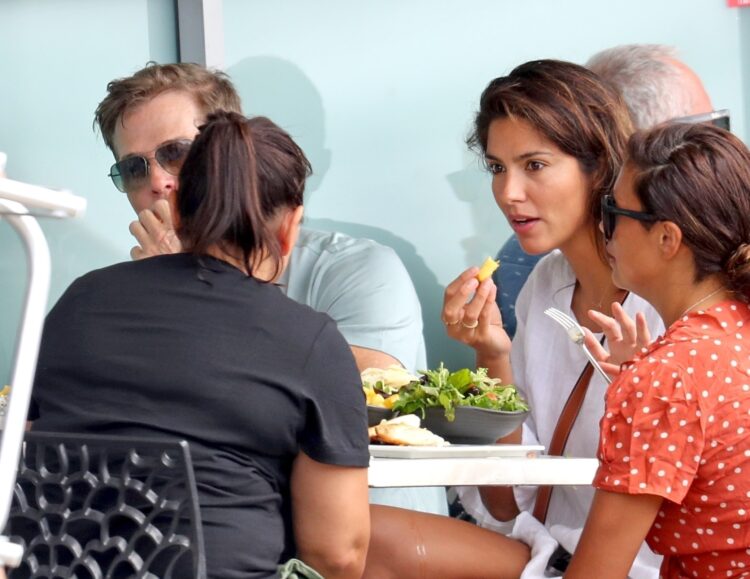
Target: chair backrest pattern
90,507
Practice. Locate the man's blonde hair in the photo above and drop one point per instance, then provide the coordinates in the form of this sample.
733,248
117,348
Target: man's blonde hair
212,90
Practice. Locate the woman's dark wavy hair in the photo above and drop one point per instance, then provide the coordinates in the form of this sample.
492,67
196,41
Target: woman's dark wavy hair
237,176
568,104
698,177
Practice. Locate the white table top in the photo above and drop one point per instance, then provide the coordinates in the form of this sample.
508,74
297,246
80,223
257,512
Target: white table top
542,470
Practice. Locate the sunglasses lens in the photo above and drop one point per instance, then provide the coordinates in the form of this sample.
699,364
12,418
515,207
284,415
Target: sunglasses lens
172,155
114,174
129,173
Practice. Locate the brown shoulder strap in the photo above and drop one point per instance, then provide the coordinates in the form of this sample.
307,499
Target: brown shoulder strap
562,432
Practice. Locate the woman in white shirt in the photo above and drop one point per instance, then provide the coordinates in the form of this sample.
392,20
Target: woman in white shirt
553,137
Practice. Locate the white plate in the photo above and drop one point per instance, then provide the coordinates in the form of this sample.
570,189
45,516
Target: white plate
456,451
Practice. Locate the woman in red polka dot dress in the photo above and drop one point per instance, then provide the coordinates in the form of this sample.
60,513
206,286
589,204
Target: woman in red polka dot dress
674,447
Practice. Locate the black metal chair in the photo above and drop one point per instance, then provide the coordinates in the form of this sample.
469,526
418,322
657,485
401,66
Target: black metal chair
89,507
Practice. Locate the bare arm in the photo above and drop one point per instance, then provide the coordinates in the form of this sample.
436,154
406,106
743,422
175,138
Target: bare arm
615,529
331,517
475,320
471,316
367,358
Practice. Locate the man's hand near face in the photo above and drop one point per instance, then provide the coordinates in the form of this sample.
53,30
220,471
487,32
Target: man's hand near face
154,232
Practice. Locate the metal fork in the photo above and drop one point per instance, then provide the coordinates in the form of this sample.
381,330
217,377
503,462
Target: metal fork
576,333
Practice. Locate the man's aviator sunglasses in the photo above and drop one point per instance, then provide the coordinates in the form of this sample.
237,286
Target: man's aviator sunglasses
132,172
610,211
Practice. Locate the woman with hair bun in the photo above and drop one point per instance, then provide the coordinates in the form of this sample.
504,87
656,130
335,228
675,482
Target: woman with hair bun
674,447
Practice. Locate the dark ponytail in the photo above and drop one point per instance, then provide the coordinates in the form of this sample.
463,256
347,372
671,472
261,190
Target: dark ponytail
239,173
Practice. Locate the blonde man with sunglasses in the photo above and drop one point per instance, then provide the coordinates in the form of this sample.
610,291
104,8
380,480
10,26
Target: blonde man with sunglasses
149,120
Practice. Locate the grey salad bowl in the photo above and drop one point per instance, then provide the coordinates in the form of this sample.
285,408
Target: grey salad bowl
473,425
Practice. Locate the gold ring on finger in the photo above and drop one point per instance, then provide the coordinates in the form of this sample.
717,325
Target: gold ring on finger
470,326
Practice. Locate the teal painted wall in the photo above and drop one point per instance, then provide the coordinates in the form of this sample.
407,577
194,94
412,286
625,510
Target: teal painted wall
55,61
380,95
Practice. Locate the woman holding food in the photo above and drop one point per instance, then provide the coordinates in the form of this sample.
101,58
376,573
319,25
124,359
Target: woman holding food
553,137
203,346
674,449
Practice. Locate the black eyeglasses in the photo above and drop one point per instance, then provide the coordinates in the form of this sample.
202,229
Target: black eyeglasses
610,211
132,172
717,118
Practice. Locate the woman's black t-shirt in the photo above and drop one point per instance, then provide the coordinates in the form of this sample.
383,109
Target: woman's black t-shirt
186,347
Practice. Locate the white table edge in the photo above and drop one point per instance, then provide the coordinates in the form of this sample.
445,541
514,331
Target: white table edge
544,470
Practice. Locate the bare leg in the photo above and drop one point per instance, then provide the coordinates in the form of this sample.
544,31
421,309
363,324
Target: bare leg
412,545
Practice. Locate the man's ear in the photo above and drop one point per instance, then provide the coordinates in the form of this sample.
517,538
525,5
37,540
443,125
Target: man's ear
670,238
289,229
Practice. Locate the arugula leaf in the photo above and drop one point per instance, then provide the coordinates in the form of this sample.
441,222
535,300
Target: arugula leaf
461,380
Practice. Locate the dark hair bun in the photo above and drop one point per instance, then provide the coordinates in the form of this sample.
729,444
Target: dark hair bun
738,268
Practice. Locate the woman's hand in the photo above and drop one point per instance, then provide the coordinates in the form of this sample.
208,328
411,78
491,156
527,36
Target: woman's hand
625,337
471,315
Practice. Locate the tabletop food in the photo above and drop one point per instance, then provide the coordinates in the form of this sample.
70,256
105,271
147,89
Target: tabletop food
381,385
462,407
487,269
404,431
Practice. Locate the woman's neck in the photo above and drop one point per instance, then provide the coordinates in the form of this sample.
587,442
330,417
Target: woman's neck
594,288
219,253
263,271
676,298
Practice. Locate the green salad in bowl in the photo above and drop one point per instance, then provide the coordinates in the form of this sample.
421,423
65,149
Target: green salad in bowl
446,389
464,407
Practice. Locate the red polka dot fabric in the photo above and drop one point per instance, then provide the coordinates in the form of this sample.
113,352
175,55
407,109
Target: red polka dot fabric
677,425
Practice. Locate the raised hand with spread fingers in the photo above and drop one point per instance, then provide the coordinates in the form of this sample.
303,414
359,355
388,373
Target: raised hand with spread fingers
625,336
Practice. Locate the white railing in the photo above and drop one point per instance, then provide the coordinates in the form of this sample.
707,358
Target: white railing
20,203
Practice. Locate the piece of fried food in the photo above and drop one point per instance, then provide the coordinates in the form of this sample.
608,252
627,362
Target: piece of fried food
405,431
405,435
487,268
